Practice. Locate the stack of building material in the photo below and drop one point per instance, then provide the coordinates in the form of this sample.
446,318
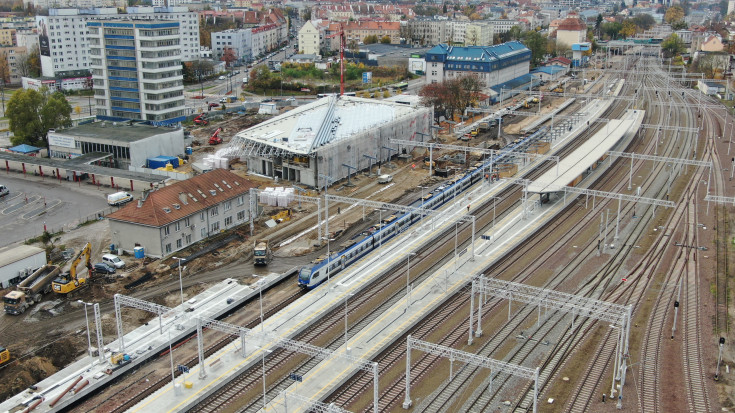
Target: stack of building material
279,196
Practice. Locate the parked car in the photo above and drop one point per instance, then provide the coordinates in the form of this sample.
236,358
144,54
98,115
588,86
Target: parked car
113,260
4,190
221,78
102,268
213,105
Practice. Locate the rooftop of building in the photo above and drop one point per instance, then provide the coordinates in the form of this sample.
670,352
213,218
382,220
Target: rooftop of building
572,24
551,70
183,198
383,49
479,53
327,120
11,254
118,131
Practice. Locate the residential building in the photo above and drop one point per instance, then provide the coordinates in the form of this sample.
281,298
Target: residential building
176,216
358,11
504,25
265,38
63,34
479,33
136,69
27,39
491,64
428,30
64,82
358,31
7,37
309,39
570,31
12,55
119,144
240,41
81,4
711,43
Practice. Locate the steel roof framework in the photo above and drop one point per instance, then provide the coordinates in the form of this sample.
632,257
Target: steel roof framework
616,314
468,358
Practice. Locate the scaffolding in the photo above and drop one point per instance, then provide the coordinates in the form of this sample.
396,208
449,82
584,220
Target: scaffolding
468,358
617,315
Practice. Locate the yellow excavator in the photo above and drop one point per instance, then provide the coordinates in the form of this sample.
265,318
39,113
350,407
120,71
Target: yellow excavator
4,355
68,282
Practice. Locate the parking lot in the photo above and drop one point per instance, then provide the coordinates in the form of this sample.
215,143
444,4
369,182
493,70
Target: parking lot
34,202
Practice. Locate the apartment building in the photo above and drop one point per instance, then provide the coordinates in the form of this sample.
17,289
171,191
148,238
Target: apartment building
63,34
136,70
358,31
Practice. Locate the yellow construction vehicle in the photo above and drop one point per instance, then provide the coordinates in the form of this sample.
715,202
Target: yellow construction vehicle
4,355
68,282
284,215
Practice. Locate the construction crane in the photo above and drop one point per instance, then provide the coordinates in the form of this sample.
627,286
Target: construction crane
341,34
68,282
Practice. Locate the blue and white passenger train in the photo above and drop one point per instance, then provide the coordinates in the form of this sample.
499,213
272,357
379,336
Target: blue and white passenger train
315,273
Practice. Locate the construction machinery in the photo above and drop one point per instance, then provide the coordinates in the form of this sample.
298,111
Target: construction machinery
4,355
215,139
262,253
69,281
281,216
31,290
201,120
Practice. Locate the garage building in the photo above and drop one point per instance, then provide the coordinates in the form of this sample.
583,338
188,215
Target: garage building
16,263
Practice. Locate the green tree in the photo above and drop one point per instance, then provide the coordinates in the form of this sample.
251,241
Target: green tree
644,21
385,39
672,46
370,39
598,23
32,113
629,28
611,30
536,43
34,61
261,78
679,25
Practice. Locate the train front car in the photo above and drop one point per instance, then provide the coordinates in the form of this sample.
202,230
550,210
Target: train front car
305,276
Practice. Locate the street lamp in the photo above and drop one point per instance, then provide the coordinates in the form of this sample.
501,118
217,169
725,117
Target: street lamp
346,296
408,277
260,293
380,232
89,338
329,257
181,284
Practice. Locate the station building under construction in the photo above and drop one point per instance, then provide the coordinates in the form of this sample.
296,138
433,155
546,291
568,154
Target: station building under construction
333,136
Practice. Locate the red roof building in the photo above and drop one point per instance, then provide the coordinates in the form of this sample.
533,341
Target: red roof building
171,218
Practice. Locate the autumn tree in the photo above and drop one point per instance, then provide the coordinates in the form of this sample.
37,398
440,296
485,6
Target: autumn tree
629,28
385,39
228,56
452,95
674,14
32,113
370,39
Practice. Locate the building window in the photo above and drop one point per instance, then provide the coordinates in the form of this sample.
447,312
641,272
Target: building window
178,226
188,239
178,243
166,230
204,233
228,221
186,222
240,200
168,248
202,216
228,205
215,227
214,211
241,215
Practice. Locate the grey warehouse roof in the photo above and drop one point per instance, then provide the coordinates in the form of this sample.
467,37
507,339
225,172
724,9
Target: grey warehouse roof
327,120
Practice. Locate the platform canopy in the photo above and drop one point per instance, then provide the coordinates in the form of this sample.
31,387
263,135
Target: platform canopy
574,165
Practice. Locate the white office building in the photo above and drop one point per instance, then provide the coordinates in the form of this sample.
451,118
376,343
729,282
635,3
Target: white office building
64,44
240,41
136,69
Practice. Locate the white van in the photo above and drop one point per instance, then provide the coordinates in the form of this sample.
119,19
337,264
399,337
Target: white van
384,179
119,198
113,260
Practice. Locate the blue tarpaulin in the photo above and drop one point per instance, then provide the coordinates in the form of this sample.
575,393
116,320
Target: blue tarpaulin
25,149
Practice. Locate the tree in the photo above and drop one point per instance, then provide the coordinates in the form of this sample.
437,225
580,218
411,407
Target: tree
23,64
672,46
370,39
385,39
514,33
679,25
629,28
611,30
674,14
32,113
536,43
34,61
228,56
644,21
451,95
260,77
598,23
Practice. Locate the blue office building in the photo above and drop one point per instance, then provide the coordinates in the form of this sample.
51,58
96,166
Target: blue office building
494,65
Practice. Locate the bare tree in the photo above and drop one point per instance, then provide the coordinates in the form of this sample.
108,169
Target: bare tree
23,64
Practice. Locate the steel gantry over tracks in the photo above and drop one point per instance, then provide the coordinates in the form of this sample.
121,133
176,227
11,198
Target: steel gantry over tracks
468,358
617,315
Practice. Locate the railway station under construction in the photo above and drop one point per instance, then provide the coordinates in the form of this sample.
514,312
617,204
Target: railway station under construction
250,347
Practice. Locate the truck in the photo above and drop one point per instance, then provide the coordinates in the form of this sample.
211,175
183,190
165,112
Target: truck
31,290
484,126
262,254
4,355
